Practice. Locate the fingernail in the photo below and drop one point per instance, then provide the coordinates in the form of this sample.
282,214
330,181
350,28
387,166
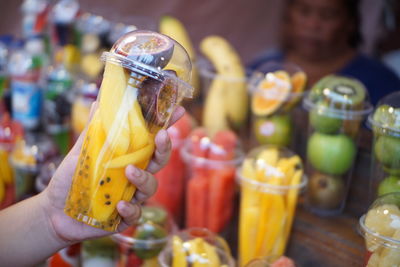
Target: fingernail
134,171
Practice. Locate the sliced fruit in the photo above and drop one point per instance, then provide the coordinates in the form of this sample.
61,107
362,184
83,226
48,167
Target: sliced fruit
271,93
155,215
140,135
196,252
390,256
299,81
211,254
134,158
112,111
223,146
380,219
344,91
178,253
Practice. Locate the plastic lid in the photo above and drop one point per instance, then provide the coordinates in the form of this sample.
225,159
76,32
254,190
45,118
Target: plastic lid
386,116
149,235
340,97
191,238
272,169
381,225
153,55
201,150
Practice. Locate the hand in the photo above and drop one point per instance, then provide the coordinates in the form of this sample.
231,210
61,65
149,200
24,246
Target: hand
68,230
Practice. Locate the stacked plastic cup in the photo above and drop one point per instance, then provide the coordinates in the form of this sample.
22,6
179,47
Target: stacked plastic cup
196,246
276,88
385,124
146,76
380,227
337,106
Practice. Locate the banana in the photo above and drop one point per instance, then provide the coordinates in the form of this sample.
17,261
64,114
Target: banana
228,65
173,28
214,116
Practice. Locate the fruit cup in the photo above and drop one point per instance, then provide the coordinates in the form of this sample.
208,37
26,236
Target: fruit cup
99,252
27,158
171,179
211,163
145,78
276,88
385,124
270,179
196,247
380,227
141,244
336,107
10,132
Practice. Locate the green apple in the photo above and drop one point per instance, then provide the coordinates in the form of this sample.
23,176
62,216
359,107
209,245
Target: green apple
331,154
323,121
389,185
387,151
276,130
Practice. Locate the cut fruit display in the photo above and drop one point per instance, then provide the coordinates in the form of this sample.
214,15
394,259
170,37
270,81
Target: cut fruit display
270,182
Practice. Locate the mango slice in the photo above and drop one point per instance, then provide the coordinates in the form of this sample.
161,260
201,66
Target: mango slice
112,101
178,252
133,158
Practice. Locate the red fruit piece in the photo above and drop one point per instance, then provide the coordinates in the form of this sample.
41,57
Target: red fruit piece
223,147
197,202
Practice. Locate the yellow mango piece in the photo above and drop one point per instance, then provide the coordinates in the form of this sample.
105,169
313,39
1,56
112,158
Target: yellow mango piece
211,254
196,252
5,168
178,253
108,193
133,158
249,218
114,106
140,135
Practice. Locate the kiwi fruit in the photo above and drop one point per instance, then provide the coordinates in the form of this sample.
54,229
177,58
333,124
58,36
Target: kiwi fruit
145,233
344,92
153,214
326,191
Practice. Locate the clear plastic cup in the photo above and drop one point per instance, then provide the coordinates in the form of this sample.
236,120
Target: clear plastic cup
271,179
195,246
385,124
337,106
276,88
146,76
380,227
27,158
224,99
211,163
141,244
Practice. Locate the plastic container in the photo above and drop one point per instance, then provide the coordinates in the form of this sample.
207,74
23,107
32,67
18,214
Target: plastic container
99,252
26,88
385,124
137,97
276,88
380,227
86,94
10,132
34,17
271,179
62,16
171,179
27,158
141,244
336,105
211,165
195,246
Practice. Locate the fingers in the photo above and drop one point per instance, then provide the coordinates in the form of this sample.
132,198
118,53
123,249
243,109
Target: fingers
129,212
145,183
178,113
162,153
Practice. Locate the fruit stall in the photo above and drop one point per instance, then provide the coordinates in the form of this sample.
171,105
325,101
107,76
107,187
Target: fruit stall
266,169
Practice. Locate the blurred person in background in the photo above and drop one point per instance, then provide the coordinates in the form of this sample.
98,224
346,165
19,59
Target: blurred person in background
322,37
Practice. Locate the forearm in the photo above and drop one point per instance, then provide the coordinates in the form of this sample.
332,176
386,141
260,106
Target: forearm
26,235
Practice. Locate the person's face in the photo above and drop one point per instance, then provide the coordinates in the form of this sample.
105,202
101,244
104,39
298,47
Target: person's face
317,28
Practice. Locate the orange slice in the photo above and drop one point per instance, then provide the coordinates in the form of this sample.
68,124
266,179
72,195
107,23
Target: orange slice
271,93
299,80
